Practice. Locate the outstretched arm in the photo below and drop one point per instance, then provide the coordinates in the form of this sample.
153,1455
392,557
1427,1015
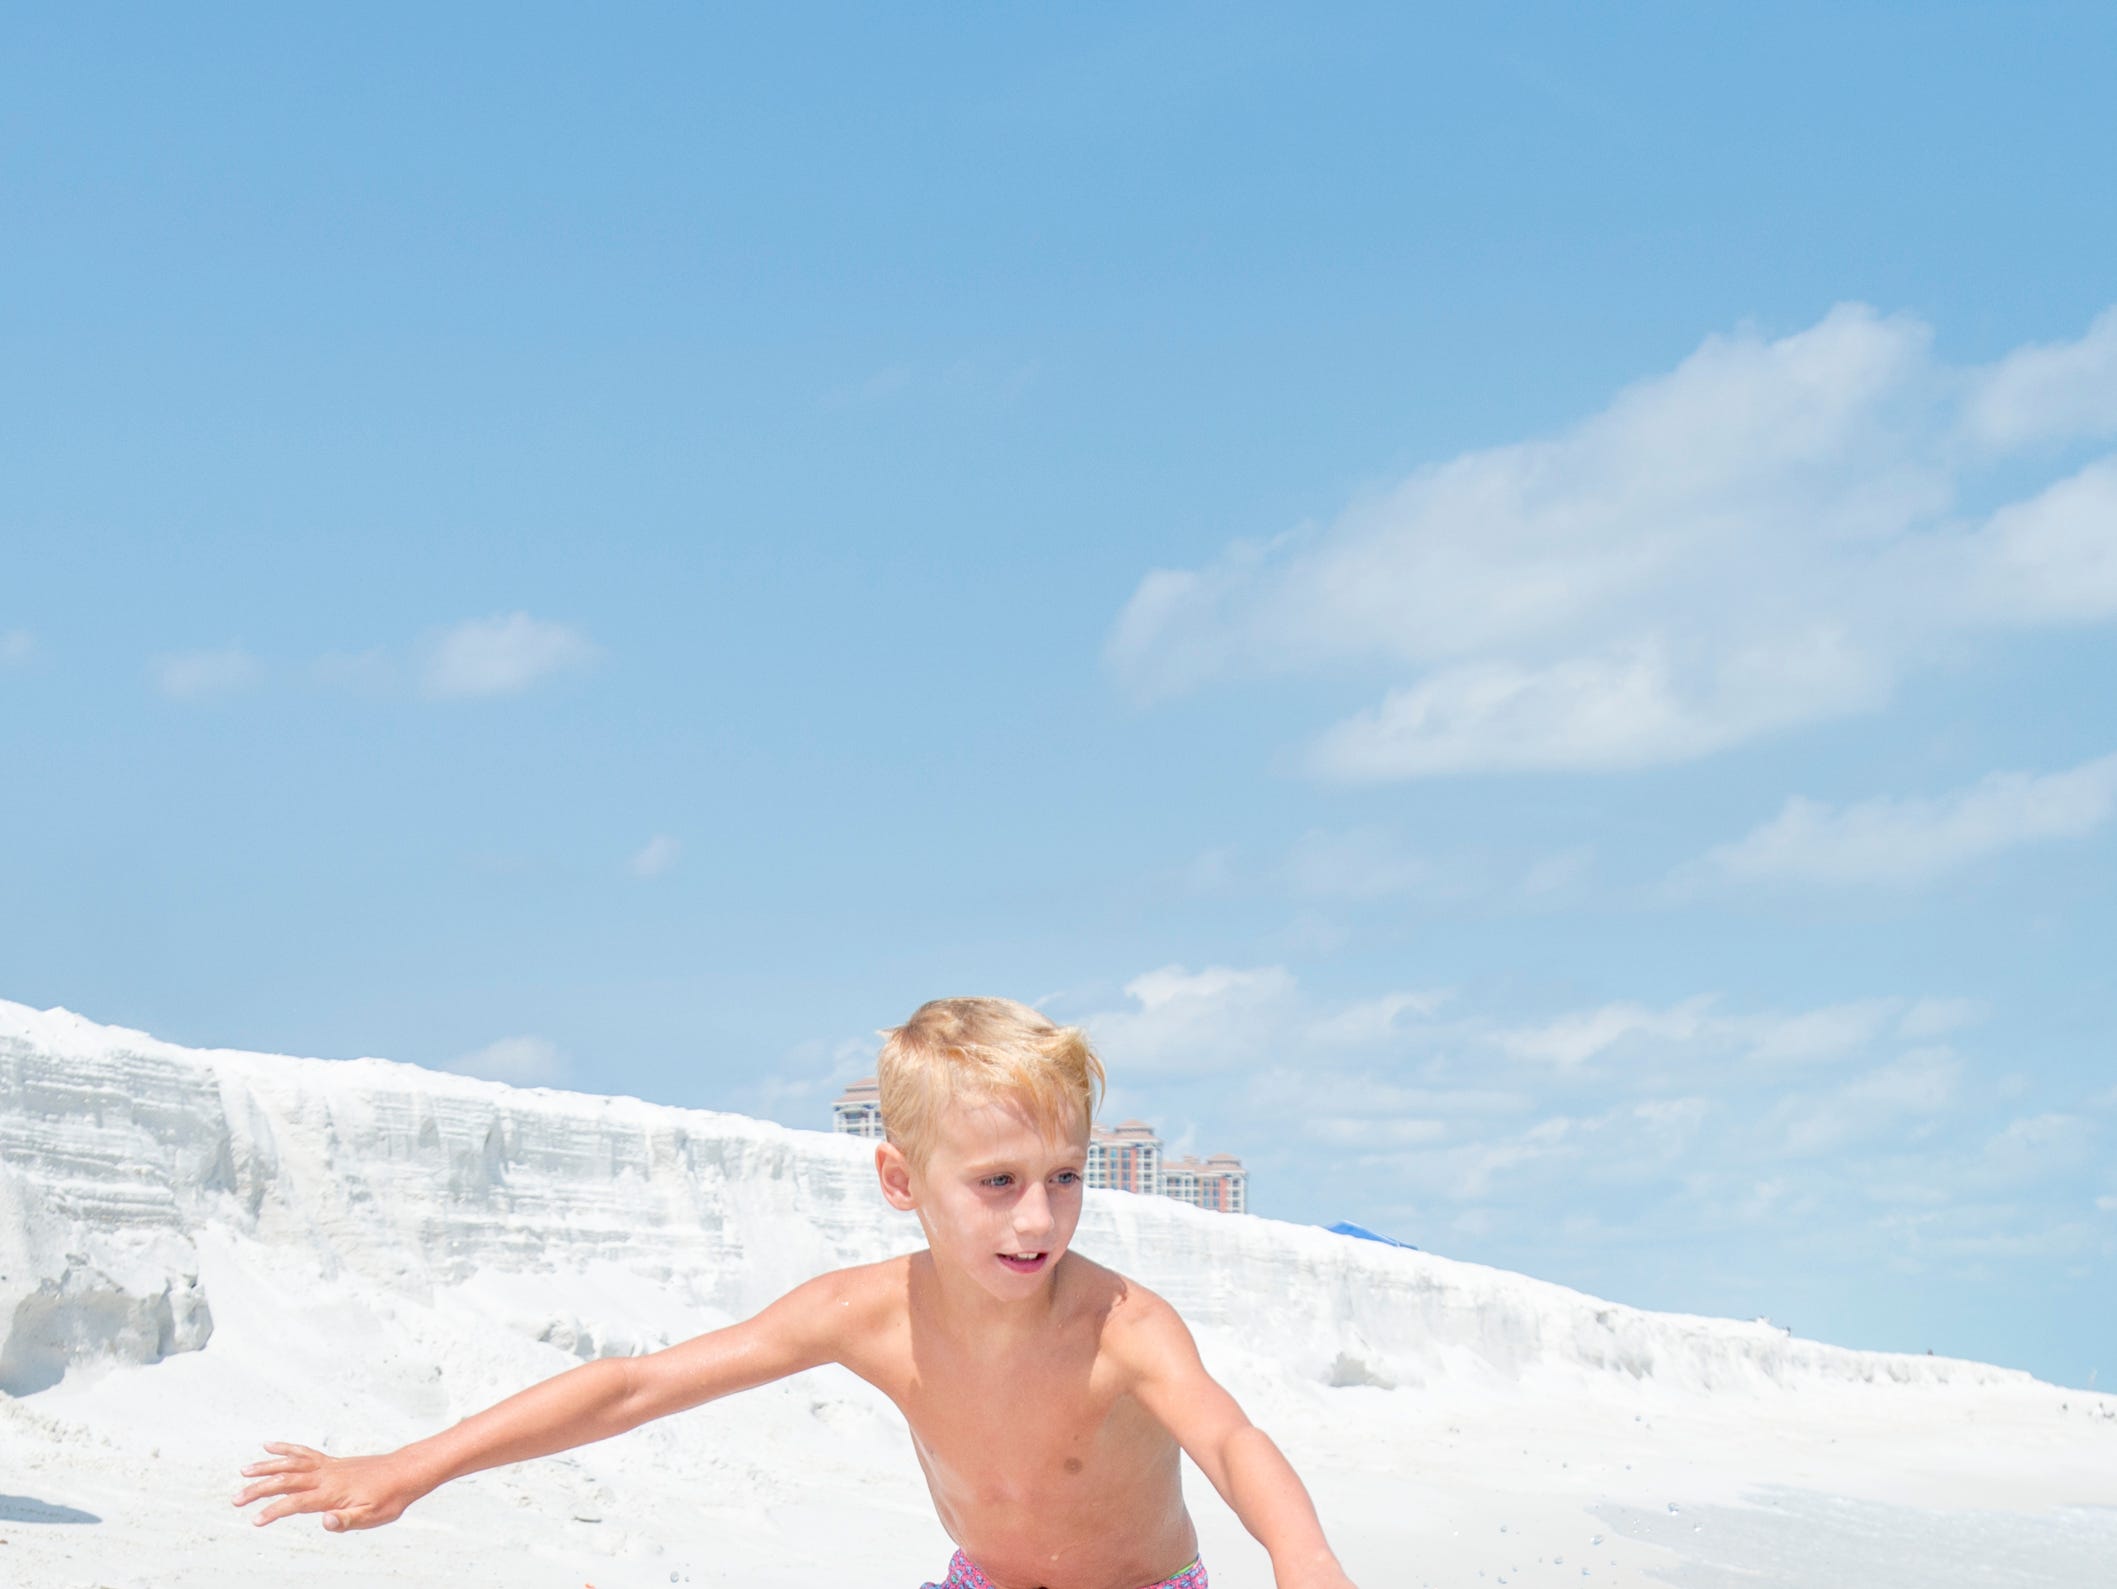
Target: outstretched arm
1248,1470
576,1408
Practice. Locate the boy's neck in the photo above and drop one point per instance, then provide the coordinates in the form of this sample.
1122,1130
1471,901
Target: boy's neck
965,1309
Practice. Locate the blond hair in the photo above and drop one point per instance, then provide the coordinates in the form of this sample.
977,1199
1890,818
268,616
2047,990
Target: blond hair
952,1048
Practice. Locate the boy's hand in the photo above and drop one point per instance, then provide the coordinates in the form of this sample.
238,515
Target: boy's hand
351,1492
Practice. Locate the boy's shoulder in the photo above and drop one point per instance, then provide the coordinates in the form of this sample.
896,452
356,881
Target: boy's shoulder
846,1313
1131,1316
865,1287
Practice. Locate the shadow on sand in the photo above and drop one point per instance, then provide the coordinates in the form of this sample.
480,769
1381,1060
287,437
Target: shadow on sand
22,1509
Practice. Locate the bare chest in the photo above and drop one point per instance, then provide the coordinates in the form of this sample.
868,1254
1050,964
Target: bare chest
994,1441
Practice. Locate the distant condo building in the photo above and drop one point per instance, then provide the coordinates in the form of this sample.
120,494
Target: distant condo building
1126,1157
1218,1182
858,1111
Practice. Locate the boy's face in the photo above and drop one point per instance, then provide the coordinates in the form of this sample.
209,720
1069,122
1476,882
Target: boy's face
999,1195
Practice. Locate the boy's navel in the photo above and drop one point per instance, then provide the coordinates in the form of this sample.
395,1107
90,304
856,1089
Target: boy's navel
1073,1464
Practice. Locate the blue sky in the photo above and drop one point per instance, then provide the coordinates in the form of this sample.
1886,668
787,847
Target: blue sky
1516,609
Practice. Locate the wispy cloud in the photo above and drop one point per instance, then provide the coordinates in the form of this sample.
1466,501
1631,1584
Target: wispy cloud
655,857
1225,1020
202,675
1196,1021
1374,1020
1842,1131
17,646
2051,392
1366,1131
1631,1031
1915,840
1583,1034
2036,1146
1929,1018
1364,865
1766,536
504,655
1920,1083
519,1061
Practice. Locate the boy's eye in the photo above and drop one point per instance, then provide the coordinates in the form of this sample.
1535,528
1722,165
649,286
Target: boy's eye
1068,1177
997,1181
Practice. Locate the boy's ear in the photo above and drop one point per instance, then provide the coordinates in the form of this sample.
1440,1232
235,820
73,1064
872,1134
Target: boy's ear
895,1173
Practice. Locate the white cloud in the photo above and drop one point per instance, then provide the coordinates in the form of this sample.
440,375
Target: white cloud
1374,1020
200,675
1837,1134
519,1061
1767,535
1672,1121
2050,393
1196,1022
1824,1033
1912,841
1468,1172
2106,1205
1368,1131
17,646
1929,1018
1580,1035
1361,865
656,856
1223,1020
2037,1146
500,656
1296,1088
1625,706
797,1090
1920,1083
2053,557
1222,1017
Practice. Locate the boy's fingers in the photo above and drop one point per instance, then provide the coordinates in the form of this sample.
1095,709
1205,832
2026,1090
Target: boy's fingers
281,1484
287,1448
305,1499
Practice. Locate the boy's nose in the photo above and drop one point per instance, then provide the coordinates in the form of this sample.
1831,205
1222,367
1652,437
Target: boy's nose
1032,1212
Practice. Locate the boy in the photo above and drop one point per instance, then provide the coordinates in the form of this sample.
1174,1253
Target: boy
1048,1397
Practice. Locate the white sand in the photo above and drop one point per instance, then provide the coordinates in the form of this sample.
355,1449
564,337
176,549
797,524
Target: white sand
202,1251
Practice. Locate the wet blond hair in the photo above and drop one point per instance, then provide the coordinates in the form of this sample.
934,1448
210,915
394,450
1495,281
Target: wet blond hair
993,1048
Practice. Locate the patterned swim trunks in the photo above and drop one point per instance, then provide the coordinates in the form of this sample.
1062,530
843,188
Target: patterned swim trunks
963,1573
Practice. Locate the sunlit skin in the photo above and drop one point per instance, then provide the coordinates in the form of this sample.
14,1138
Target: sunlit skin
1048,1398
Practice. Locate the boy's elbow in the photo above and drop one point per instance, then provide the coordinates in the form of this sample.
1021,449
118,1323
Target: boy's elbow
635,1389
1249,1456
1245,1442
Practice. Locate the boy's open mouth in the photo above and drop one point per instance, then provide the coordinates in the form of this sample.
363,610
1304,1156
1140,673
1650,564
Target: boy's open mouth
1024,1263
